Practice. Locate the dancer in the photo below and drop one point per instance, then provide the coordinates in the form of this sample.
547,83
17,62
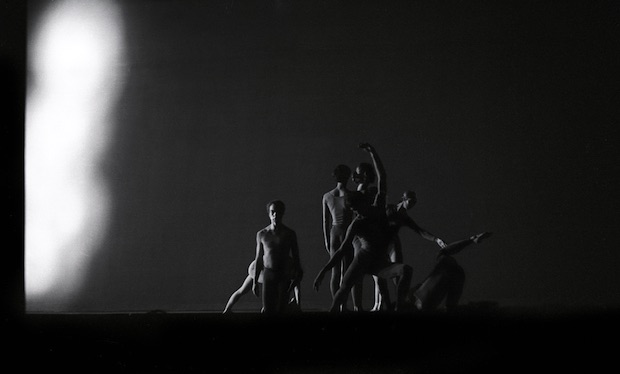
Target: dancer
447,279
364,177
370,225
398,218
274,244
336,220
293,305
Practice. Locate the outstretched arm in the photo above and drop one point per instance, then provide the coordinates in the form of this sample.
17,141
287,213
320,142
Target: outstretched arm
337,256
456,247
423,233
380,198
258,263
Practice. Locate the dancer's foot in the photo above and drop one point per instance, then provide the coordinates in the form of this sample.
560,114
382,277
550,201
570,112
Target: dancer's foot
418,304
478,237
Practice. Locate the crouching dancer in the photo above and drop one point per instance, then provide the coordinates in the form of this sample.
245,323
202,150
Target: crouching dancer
446,281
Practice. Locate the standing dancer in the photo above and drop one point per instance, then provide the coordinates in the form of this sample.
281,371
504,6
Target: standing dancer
336,220
274,245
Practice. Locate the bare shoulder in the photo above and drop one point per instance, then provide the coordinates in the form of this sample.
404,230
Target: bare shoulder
262,232
329,195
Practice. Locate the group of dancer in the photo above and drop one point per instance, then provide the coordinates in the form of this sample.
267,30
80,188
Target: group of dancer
361,234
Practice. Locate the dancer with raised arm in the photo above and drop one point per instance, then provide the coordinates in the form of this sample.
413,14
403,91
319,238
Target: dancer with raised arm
370,226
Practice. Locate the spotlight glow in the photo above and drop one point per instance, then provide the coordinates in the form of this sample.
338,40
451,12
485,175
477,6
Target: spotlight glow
75,75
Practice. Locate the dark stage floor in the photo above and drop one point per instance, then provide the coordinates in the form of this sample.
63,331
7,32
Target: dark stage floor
314,342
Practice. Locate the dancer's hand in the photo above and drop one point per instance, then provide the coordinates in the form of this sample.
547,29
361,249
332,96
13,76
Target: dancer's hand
367,147
255,288
297,280
293,284
318,280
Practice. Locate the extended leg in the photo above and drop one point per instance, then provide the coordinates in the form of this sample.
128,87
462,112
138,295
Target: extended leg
456,283
456,247
353,275
245,288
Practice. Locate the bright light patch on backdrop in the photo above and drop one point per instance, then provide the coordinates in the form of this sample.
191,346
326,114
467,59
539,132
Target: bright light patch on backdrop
75,62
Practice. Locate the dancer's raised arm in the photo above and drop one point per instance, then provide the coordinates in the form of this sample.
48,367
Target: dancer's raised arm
380,197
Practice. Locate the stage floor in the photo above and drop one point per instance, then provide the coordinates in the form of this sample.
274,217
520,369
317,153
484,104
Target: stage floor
314,342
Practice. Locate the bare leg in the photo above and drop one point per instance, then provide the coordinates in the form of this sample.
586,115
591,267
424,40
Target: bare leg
283,293
274,291
336,277
456,283
403,273
353,276
382,295
377,306
381,288
396,255
346,261
245,288
404,283
456,247
357,295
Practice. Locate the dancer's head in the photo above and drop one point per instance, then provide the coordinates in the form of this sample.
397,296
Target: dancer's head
276,209
364,173
409,199
342,173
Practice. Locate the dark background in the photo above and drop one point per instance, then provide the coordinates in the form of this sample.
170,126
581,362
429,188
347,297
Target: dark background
498,114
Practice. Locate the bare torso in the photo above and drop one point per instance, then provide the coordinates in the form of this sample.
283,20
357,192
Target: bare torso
277,244
334,200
